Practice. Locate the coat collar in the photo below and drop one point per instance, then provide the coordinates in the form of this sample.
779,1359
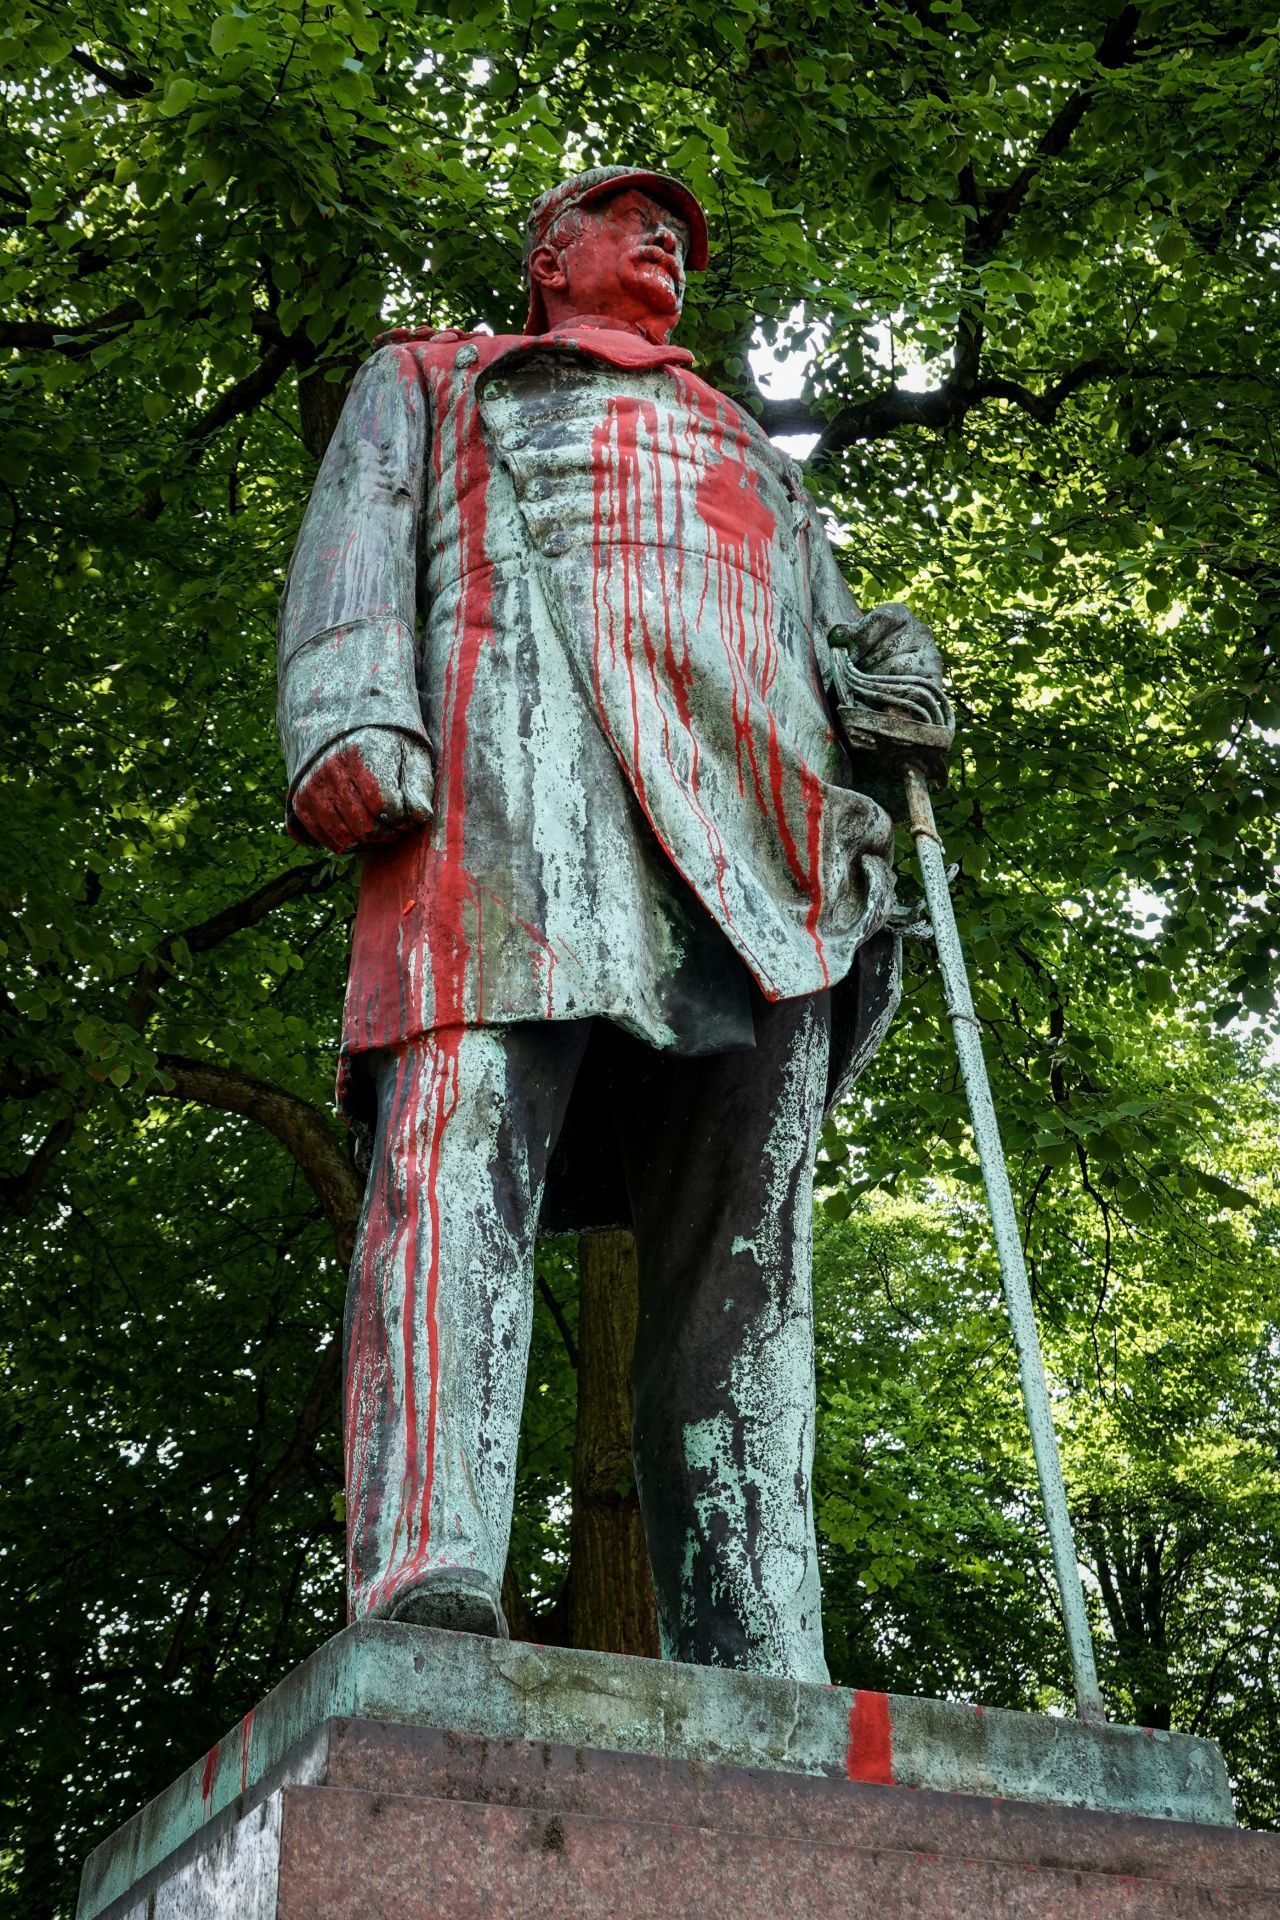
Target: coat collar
617,347
610,347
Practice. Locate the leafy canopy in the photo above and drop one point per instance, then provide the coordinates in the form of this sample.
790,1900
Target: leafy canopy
1029,255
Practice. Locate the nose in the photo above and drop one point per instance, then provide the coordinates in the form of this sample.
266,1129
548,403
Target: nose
664,237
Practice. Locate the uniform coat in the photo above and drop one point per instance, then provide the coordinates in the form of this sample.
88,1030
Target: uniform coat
590,584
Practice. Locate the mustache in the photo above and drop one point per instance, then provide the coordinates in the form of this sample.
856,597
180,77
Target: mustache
659,257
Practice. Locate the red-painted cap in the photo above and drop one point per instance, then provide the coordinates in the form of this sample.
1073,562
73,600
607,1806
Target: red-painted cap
595,184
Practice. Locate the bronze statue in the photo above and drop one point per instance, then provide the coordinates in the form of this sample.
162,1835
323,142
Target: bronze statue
556,654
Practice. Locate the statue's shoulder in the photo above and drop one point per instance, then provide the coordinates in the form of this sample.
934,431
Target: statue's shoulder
434,349
419,336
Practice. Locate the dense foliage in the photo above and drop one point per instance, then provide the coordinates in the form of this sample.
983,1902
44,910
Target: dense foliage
1031,252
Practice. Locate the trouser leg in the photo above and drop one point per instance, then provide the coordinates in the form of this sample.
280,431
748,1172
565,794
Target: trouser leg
439,1305
719,1158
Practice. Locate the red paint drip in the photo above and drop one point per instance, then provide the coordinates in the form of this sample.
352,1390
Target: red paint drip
445,1106
432,1075
455,892
741,532
207,1779
620,537
368,1362
870,1756
246,1733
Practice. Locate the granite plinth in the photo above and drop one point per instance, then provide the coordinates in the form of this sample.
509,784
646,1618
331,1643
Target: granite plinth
268,1793
410,1823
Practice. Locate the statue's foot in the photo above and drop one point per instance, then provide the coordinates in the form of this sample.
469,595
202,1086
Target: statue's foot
456,1598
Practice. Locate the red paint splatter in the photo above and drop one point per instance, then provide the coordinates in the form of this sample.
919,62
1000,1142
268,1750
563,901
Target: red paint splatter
870,1756
395,969
207,1779
431,1096
542,954
338,555
620,537
741,532
391,997
246,1734
341,799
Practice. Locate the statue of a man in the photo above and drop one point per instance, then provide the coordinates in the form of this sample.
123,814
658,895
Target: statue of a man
556,657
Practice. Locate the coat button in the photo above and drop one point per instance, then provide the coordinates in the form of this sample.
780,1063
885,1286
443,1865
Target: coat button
466,356
558,541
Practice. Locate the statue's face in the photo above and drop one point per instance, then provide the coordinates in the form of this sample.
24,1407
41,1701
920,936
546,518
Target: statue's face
624,258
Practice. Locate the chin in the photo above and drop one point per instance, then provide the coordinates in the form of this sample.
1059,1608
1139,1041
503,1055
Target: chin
658,292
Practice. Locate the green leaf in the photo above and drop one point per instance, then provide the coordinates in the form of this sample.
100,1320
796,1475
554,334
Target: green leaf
1230,1196
178,96
226,32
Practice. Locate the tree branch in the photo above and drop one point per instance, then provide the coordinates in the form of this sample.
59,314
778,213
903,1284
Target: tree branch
245,395
557,1314
242,397
304,1132
286,886
130,86
944,406
15,1084
18,1190
68,336
1115,50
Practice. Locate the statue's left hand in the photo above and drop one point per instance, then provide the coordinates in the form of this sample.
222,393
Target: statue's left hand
371,786
890,699
890,640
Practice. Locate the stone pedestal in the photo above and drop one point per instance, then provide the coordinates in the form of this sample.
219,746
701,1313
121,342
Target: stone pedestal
403,1773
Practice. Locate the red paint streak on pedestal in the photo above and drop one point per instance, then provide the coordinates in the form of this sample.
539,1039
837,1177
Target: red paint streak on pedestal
207,1779
870,1756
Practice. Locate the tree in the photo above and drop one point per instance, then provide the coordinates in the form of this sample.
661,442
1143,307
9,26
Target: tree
1030,252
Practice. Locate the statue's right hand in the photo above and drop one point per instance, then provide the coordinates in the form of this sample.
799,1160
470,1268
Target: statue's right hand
372,786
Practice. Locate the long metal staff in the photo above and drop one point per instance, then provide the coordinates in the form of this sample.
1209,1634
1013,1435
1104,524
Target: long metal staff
1004,1223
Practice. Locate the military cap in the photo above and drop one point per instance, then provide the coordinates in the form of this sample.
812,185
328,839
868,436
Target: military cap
596,183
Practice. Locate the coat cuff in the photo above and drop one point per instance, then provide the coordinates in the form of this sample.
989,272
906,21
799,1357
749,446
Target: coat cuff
341,681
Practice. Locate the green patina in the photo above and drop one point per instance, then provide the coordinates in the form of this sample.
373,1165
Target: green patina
509,1690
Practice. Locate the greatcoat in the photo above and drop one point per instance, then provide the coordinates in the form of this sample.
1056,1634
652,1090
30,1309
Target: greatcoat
590,584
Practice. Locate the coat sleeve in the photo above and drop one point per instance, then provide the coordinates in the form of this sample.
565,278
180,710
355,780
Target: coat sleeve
347,655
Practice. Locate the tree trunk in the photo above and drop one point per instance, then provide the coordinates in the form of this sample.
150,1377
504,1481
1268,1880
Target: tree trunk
320,401
611,1603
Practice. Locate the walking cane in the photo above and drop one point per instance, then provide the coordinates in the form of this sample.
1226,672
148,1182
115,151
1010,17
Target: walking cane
1004,1226
1008,1241
869,729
